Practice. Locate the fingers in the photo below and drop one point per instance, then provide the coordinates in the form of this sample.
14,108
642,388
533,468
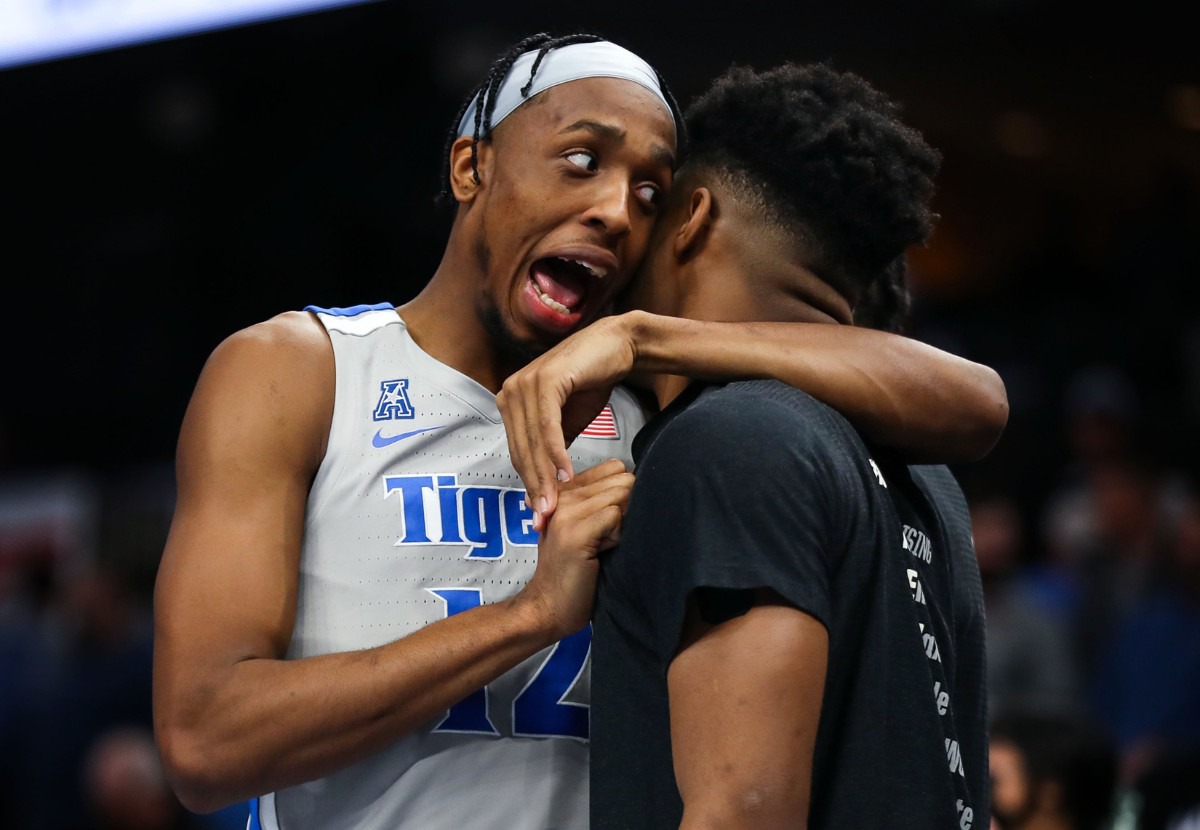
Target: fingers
512,411
593,526
605,527
532,411
592,510
595,488
587,522
604,470
612,491
545,451
547,444
551,400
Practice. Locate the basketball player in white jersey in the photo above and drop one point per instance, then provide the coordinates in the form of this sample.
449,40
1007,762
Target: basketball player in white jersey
357,625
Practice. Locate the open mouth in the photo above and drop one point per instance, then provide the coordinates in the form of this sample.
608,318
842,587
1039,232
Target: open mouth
562,283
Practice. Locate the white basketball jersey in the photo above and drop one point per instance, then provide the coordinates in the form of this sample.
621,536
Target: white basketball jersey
416,513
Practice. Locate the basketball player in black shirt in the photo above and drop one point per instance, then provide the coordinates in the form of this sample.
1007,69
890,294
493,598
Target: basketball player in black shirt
791,631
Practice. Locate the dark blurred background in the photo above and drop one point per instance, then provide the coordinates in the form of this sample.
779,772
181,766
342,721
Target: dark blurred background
160,196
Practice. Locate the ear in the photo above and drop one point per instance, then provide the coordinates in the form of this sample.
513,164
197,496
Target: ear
692,234
464,182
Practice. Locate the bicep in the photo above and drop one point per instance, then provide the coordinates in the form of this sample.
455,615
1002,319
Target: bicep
250,442
745,700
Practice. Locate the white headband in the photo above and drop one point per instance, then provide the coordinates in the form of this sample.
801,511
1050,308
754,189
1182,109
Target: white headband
599,59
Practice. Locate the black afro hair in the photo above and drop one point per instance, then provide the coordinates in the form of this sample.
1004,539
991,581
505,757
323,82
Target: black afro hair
825,149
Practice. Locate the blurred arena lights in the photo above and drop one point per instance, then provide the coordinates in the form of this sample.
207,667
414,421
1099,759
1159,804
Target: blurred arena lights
38,30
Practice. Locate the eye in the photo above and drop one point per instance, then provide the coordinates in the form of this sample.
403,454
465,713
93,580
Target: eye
651,194
584,159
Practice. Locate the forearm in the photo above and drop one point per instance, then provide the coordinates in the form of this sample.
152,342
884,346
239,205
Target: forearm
263,724
929,404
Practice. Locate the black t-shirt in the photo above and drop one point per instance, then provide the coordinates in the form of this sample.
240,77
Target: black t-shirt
756,484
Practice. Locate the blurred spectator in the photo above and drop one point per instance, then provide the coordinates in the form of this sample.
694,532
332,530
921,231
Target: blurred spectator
1103,412
77,559
1050,771
1167,797
1101,423
1147,689
125,787
1030,660
85,669
48,524
1102,417
1118,564
28,592
1105,547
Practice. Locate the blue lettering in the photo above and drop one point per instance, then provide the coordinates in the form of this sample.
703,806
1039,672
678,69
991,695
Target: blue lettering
393,401
448,505
471,713
540,709
481,522
482,517
518,519
411,488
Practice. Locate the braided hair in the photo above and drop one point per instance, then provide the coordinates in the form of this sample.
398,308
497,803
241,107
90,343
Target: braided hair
487,90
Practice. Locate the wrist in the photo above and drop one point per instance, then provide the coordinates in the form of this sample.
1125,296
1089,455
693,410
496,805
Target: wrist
642,331
534,616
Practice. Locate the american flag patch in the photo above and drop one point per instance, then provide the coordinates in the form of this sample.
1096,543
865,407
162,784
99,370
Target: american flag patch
604,426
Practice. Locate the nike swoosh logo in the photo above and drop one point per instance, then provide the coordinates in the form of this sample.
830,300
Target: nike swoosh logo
380,440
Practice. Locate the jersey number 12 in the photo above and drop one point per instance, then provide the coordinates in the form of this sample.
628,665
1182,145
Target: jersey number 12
539,710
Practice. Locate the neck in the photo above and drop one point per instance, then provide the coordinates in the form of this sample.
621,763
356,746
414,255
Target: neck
444,320
728,289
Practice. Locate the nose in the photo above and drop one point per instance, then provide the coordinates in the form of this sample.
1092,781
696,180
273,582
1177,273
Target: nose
611,207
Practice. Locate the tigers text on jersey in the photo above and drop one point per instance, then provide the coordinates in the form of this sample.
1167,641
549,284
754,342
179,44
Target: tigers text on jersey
416,513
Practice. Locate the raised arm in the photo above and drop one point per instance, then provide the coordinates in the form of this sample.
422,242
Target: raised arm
233,718
931,405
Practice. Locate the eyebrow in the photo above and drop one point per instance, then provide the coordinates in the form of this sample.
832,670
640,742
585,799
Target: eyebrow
659,152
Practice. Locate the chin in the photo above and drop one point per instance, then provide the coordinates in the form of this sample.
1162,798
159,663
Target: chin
512,348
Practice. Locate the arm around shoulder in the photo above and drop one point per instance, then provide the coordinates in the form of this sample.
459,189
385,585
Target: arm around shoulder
931,405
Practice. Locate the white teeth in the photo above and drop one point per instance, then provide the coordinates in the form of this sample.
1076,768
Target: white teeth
598,273
553,303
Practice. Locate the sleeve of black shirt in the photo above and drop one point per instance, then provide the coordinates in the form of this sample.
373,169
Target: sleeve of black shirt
739,492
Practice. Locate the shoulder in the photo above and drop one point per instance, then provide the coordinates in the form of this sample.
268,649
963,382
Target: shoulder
765,426
770,399
297,332
766,410
285,348
275,376
763,446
